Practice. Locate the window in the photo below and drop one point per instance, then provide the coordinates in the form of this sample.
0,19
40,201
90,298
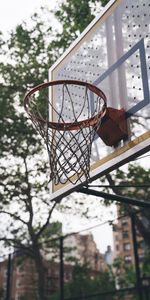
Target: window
4,273
20,268
141,244
68,276
116,237
117,247
125,234
19,283
126,246
124,221
137,232
48,282
115,227
128,259
19,297
141,257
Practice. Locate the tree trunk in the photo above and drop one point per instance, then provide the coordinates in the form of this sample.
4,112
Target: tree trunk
40,269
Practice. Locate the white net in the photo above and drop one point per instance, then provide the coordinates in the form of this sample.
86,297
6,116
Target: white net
69,136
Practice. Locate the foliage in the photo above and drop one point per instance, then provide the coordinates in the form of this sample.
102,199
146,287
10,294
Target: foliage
146,265
123,273
91,283
74,17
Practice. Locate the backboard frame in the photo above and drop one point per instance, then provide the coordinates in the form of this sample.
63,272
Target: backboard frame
138,145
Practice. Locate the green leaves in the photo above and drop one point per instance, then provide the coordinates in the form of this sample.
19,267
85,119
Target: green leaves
74,17
91,283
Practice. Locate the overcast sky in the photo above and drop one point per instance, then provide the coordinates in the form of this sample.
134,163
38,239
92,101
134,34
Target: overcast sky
13,12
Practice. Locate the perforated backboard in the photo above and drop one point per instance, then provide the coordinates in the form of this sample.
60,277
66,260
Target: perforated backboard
113,53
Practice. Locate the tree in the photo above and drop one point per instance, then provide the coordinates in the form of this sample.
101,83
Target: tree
91,284
24,192
21,192
123,274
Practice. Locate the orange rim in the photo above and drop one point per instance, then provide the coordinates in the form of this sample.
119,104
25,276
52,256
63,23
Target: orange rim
71,125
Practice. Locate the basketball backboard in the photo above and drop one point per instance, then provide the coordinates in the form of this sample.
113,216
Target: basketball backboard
112,53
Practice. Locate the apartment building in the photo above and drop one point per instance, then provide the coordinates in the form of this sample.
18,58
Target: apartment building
23,278
84,249
123,241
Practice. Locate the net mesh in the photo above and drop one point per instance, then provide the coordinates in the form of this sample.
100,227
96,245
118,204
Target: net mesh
70,136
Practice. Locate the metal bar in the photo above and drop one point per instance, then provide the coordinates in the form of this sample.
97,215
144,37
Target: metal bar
136,258
120,185
61,269
147,292
8,284
113,197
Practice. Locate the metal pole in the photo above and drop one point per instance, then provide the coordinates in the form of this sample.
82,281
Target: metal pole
8,284
136,257
113,197
61,270
146,292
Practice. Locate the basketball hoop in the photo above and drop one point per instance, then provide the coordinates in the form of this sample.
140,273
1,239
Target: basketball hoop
68,131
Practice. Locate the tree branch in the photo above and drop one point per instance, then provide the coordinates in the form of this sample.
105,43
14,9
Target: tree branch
47,221
16,244
143,230
13,216
112,184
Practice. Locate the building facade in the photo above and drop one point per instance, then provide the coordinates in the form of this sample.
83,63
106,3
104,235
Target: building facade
84,249
123,241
